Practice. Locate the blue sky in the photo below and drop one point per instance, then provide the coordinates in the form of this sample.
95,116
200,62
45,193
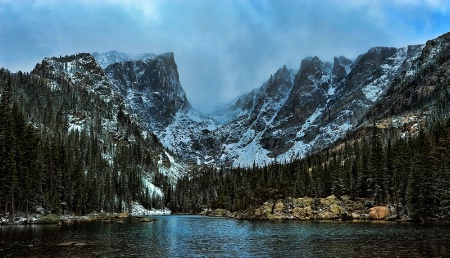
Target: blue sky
222,48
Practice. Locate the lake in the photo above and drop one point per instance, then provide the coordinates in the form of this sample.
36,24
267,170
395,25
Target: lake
193,236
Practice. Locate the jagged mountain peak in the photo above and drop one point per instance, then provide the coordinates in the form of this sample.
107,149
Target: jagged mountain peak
310,66
310,62
375,56
341,67
289,115
111,57
323,102
343,60
283,74
79,70
270,93
432,47
313,75
151,88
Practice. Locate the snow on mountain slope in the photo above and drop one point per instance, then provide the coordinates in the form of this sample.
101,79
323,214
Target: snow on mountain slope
268,98
101,106
424,81
152,91
293,113
111,57
325,102
83,70
151,88
253,115
389,70
184,133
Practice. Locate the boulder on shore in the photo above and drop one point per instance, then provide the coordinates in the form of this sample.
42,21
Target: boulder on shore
122,215
147,220
379,212
217,213
48,219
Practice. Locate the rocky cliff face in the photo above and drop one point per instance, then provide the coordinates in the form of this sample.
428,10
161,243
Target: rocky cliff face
152,91
423,83
291,114
150,84
319,104
97,103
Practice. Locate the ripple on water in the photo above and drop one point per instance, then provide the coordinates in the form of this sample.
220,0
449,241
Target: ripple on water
172,236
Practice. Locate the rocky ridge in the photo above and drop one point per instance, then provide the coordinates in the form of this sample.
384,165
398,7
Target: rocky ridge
151,89
83,71
293,113
329,208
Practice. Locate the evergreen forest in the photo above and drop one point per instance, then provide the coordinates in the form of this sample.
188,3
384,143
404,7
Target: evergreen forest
45,165
107,163
411,173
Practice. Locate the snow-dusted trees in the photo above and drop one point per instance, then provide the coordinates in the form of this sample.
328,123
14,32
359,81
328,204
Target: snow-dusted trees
78,170
412,174
18,159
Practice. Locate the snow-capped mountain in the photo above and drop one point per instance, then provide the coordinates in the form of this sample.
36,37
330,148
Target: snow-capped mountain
151,84
425,81
112,57
293,113
82,72
151,88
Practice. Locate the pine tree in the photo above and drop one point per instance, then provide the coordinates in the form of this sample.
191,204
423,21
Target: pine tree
420,192
378,185
400,170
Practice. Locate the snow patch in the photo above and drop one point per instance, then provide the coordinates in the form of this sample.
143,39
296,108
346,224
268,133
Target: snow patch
175,170
372,92
111,57
138,210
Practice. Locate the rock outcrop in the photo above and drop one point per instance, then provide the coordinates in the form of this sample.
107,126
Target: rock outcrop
307,208
152,88
379,212
217,213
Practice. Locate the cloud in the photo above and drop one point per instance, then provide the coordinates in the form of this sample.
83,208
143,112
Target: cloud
147,10
223,48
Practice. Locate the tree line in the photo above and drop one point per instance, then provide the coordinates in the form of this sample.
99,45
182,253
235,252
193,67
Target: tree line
385,166
99,166
410,173
107,163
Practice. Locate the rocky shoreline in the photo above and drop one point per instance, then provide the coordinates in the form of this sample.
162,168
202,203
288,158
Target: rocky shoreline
307,208
333,208
60,220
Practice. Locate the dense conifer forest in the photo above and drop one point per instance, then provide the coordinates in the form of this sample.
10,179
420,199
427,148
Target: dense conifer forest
407,172
406,167
105,164
45,165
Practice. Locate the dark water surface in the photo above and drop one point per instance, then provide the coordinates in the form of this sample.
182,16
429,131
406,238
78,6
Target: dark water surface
193,236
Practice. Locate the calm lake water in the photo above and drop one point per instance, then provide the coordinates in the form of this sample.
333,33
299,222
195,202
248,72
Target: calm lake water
193,236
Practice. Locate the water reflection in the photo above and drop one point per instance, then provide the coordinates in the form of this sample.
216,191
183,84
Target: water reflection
172,236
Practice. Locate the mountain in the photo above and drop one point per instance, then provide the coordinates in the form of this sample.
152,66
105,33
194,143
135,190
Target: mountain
111,131
392,108
292,114
152,91
423,85
70,134
111,57
150,83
